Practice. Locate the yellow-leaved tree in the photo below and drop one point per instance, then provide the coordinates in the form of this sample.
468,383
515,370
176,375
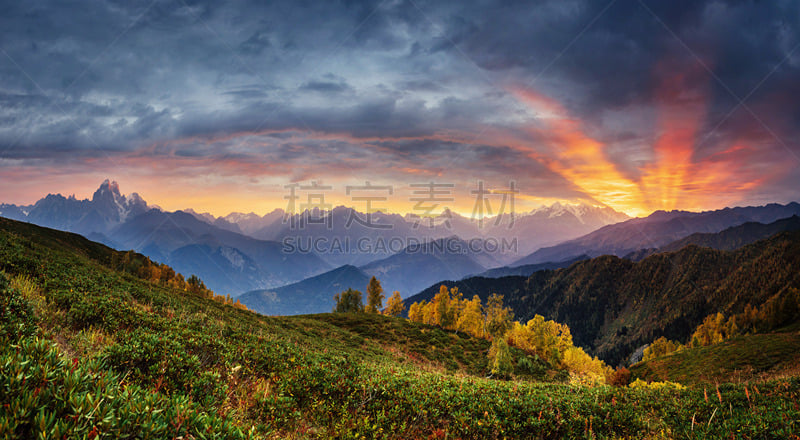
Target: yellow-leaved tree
471,319
547,339
584,368
660,347
416,312
498,317
395,305
500,358
441,308
711,331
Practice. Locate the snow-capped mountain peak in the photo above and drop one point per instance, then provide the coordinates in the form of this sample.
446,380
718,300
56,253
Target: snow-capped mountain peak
113,205
583,212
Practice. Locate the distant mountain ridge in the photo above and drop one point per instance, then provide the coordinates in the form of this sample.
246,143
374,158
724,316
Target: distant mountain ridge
656,230
312,295
228,261
726,240
529,269
229,255
107,209
252,223
529,231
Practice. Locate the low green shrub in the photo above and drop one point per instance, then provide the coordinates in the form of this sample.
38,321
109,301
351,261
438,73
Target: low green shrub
45,396
16,314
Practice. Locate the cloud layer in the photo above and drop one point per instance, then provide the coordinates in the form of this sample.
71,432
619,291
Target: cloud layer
640,105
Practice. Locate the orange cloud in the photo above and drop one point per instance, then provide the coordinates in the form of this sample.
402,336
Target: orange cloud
579,158
681,109
676,178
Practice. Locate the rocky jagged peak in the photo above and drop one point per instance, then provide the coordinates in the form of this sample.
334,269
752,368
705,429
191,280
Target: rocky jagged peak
108,190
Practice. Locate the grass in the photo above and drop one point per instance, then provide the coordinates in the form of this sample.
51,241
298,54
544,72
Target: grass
742,359
87,351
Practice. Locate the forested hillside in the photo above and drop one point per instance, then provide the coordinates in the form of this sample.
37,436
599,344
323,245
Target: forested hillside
613,305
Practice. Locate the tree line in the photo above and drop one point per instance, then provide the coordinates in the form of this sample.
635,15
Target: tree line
350,301
144,268
539,338
780,310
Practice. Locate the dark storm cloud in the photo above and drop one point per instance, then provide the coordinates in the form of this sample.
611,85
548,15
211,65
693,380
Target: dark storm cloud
485,160
254,92
255,44
612,47
92,76
328,84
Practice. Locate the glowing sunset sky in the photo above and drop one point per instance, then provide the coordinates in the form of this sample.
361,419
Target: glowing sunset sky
638,105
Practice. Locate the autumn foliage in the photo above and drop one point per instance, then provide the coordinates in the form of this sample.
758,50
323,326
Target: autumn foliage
145,268
542,339
778,311
395,305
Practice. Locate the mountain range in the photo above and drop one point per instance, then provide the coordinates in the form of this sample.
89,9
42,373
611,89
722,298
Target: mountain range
312,295
656,230
410,270
529,231
241,252
227,261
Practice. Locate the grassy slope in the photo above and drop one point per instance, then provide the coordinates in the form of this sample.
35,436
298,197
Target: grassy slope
741,359
72,269
215,371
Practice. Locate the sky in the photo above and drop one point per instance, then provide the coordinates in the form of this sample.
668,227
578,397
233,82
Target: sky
637,105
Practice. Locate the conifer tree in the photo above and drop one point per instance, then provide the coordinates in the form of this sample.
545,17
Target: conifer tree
374,296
